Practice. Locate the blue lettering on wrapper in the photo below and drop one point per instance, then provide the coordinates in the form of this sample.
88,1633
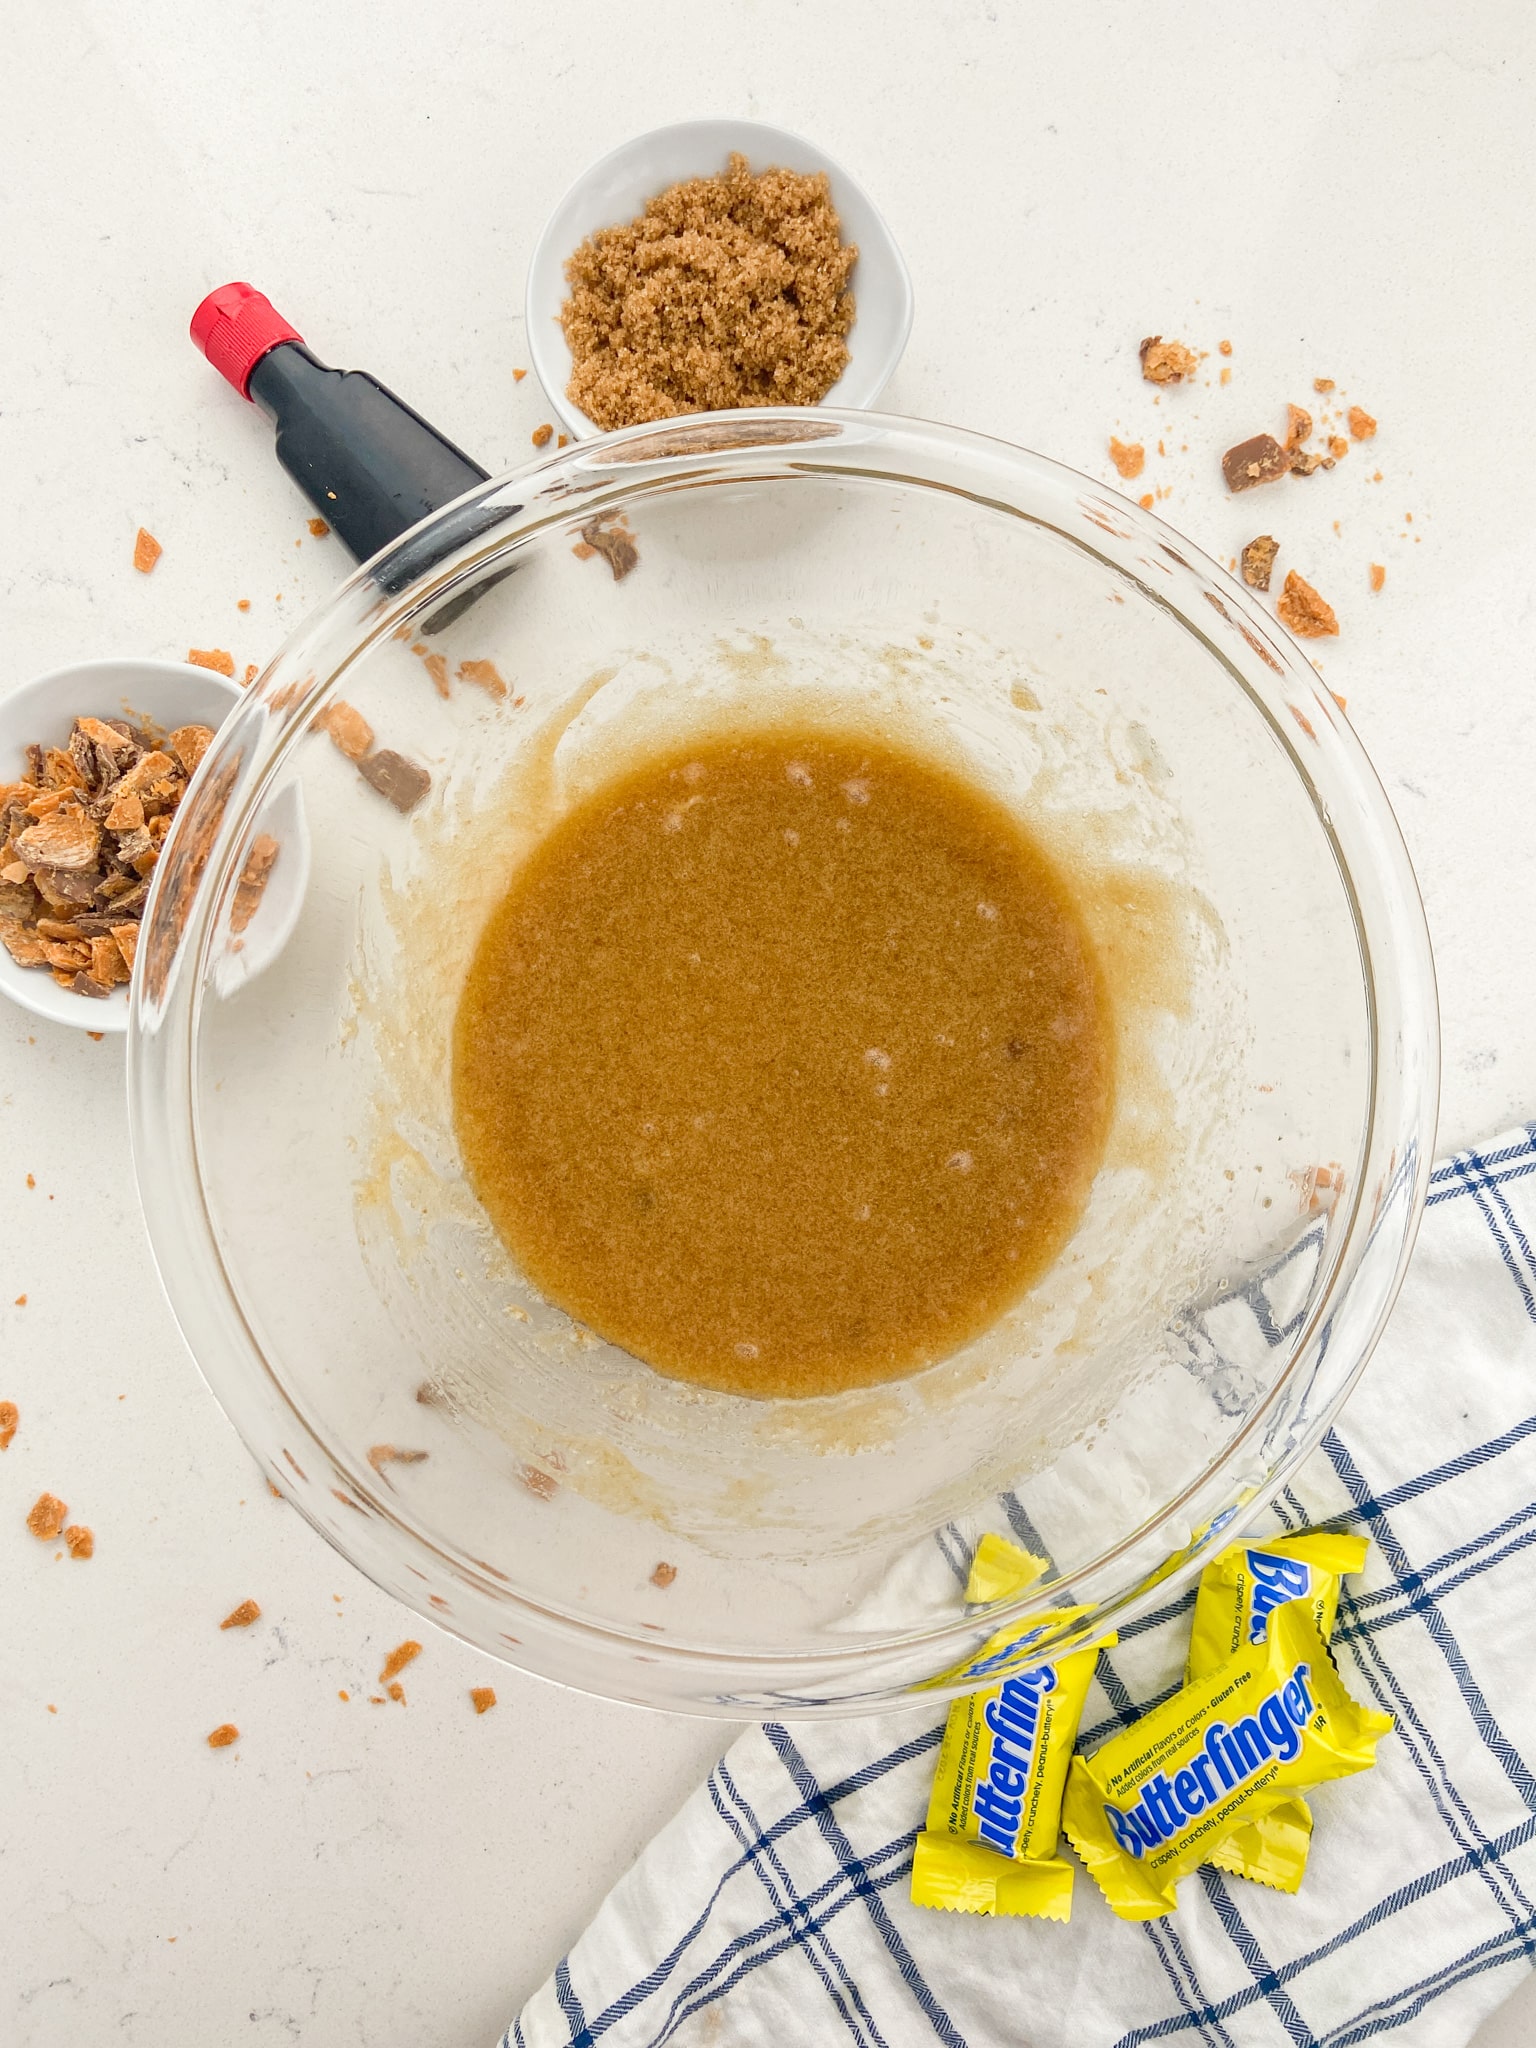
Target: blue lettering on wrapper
1014,1719
1275,1580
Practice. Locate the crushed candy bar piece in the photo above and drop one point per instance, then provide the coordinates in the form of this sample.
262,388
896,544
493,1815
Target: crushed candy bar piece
1322,383
1129,458
404,783
241,1616
484,1697
1305,462
80,1542
217,658
542,436
518,376
539,1483
663,1575
146,551
1298,425
614,544
67,838
401,1655
224,1735
1259,460
1338,447
387,1454
318,528
1378,575
1166,362
484,675
10,1416
1361,425
189,743
348,728
46,1517
1309,616
259,863
1258,559
249,677
397,1693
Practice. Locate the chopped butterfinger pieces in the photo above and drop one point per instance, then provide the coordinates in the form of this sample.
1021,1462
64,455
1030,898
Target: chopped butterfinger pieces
398,1658
1309,616
1378,578
259,863
1338,447
518,376
403,782
1130,458
1298,425
1258,559
10,1415
80,1542
1166,362
542,436
387,1454
189,743
348,728
1322,383
46,1517
1305,461
397,1693
218,658
146,551
222,1736
614,543
538,1483
1224,348
484,1697
242,1616
1259,460
1361,425
484,675
663,1575
318,528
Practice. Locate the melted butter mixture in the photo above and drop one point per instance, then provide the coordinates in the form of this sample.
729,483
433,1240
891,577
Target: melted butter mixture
785,1064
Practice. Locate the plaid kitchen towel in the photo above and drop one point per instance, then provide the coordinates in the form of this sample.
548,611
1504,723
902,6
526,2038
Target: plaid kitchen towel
773,1911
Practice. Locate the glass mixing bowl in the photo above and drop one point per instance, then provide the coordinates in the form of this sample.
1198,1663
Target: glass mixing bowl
552,1499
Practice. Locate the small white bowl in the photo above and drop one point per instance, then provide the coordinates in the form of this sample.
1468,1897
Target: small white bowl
616,190
167,693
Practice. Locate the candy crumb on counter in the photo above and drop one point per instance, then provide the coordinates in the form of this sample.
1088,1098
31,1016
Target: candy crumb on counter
1166,362
542,436
350,732
10,1416
224,1735
46,1517
1338,447
242,604
249,677
20,1301
1322,383
398,1658
397,1693
484,1698
663,1575
1224,348
1309,616
518,376
343,1694
219,659
1129,457
1361,425
319,528
484,675
242,1616
80,1542
146,551
1378,575
1258,460
1258,559
381,1455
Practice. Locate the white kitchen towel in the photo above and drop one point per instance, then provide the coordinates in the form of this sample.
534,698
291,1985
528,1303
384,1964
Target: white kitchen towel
773,1911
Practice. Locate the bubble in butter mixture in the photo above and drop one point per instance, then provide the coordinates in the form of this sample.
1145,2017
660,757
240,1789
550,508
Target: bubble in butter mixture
785,1064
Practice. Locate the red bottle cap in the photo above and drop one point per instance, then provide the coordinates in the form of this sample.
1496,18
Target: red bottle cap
235,327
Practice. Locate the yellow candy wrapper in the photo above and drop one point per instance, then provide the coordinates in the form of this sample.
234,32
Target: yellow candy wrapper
1228,1749
995,1812
1239,1590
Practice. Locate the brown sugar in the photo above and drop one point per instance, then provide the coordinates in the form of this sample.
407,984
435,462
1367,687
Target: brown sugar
1309,616
242,1616
80,1542
1130,458
222,1736
484,1697
10,1416
825,1189
1166,362
1361,425
398,1658
46,1517
1378,578
725,291
146,551
1258,559
217,658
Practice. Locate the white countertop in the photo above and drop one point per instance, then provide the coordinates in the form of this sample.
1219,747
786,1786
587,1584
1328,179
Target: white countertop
1339,190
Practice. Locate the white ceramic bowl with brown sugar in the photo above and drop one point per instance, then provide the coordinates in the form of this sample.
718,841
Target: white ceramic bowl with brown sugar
615,190
164,694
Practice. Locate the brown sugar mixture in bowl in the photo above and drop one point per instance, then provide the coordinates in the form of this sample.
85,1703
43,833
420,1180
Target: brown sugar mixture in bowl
785,1063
